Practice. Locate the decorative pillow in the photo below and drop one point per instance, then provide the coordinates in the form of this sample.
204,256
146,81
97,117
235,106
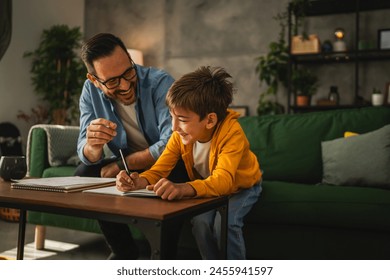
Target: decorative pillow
361,160
349,134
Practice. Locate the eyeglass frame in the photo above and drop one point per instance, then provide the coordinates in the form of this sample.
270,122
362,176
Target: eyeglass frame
118,77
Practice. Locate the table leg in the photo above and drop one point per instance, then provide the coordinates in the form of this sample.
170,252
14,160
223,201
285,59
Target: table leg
21,234
152,231
224,221
162,237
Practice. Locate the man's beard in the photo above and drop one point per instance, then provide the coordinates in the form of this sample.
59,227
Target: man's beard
119,91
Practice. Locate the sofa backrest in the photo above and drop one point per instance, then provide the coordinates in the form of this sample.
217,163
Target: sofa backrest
288,147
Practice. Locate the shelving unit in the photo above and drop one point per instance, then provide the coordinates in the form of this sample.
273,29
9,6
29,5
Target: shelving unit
355,56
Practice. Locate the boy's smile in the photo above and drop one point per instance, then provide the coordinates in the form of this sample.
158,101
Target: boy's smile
189,126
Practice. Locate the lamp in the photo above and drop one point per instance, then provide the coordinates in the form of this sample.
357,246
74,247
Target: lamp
136,56
339,45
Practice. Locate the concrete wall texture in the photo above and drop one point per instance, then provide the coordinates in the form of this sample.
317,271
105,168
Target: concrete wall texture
180,35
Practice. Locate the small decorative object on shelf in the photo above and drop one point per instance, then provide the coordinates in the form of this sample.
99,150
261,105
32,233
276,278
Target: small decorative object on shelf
376,97
388,93
305,45
339,45
334,96
327,46
242,110
384,39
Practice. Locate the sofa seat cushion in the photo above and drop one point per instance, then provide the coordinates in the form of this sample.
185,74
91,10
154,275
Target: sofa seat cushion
322,205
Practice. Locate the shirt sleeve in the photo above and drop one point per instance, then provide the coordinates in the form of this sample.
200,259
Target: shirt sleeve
162,115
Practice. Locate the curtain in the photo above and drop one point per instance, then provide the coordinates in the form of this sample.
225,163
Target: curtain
5,25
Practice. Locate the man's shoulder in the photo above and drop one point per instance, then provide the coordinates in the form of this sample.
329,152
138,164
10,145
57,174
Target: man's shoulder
152,73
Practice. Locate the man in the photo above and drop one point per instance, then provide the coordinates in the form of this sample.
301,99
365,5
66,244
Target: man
122,106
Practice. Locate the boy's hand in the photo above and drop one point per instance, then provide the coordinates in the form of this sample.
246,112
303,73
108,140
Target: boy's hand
125,183
170,191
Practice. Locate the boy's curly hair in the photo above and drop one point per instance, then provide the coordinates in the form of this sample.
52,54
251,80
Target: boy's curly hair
206,90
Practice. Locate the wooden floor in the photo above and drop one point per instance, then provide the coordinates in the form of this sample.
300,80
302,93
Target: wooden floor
61,244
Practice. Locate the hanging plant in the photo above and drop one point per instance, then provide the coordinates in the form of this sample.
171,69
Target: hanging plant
58,73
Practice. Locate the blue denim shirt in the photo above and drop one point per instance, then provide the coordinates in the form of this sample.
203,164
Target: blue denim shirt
152,113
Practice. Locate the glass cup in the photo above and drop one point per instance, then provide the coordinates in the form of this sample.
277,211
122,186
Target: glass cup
13,167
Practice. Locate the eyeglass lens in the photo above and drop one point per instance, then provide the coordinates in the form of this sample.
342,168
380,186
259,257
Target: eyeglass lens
128,75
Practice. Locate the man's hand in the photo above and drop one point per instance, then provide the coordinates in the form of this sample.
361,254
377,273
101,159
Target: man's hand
99,132
110,170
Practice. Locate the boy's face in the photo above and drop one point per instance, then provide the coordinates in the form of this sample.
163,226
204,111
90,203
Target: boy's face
190,127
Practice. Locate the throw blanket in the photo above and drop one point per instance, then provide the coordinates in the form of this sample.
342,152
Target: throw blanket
61,144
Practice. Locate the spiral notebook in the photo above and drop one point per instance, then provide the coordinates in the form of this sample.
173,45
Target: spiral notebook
62,184
114,191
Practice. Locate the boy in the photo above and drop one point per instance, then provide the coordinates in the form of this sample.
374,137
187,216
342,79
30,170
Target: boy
215,150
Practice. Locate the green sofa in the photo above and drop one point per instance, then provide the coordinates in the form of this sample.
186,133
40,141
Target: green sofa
297,217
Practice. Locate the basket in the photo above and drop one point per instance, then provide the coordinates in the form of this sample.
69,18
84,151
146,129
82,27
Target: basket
10,214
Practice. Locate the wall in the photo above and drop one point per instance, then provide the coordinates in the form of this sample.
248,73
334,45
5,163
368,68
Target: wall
29,20
180,35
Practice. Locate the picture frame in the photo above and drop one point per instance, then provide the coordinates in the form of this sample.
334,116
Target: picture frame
384,39
242,110
387,94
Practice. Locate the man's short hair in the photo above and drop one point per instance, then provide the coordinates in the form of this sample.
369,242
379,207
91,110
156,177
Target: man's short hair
100,45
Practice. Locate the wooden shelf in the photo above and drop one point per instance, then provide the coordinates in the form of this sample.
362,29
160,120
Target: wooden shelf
328,7
316,108
342,57
355,56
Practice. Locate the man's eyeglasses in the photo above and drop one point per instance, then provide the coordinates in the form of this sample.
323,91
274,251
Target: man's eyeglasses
114,82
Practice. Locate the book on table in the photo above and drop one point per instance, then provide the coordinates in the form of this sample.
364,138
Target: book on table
62,184
112,190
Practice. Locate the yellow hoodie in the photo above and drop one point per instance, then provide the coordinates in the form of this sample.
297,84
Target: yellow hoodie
232,164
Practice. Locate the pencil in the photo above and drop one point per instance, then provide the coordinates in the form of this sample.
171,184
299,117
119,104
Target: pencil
124,162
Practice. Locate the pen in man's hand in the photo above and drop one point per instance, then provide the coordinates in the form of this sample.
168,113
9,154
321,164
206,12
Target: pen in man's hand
124,162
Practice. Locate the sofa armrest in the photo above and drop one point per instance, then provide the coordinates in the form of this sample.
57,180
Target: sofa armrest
37,160
50,146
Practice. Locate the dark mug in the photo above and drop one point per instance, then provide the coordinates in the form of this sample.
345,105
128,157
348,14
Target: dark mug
13,167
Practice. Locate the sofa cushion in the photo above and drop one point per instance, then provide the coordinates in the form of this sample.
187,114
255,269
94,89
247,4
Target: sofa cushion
59,171
362,160
288,147
322,205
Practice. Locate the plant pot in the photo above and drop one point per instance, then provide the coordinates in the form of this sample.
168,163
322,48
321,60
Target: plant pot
303,100
377,99
59,116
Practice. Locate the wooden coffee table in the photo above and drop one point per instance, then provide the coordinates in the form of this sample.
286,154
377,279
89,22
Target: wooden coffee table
152,216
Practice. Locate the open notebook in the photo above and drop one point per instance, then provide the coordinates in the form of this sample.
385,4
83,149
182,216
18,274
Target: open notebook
114,191
62,184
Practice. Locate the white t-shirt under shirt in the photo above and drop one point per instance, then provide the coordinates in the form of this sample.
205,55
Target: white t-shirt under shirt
135,139
201,154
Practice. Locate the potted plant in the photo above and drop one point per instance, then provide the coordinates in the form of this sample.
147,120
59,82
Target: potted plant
58,73
377,97
304,84
272,68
